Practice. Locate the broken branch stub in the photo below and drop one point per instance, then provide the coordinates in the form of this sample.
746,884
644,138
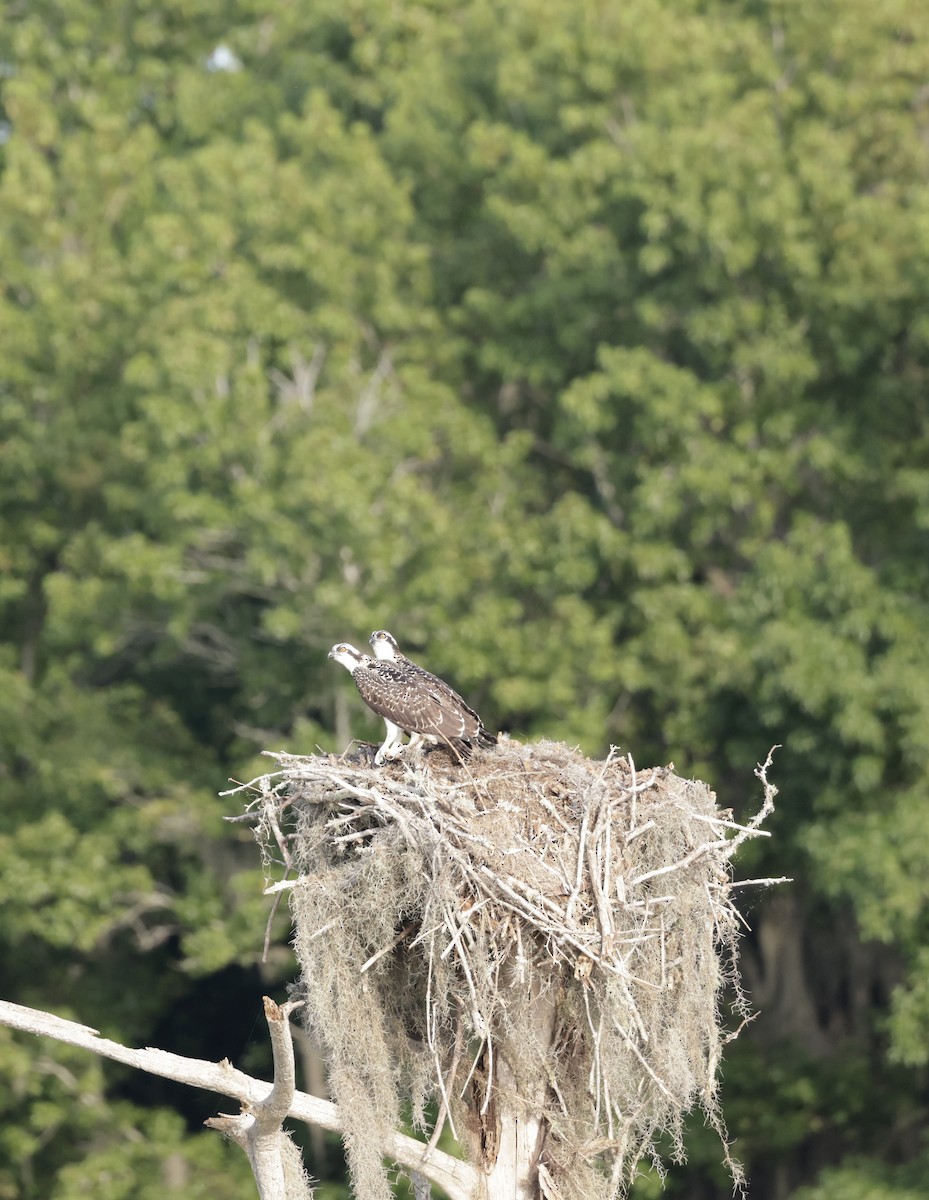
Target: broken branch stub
275,1160
536,942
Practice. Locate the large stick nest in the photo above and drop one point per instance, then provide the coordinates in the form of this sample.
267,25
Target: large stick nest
533,933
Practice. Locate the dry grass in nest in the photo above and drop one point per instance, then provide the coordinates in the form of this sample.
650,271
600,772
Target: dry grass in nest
535,933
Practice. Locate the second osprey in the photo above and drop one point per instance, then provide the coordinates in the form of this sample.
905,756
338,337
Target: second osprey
411,700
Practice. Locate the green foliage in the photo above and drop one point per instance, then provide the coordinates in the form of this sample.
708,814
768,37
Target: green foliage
909,1015
163,1161
865,1179
585,346
56,1098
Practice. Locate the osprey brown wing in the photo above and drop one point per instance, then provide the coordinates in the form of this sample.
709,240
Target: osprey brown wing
444,689
454,718
406,699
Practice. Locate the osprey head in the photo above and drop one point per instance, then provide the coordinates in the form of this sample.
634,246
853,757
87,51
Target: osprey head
385,645
348,656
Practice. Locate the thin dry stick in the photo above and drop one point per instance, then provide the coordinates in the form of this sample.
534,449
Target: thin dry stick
444,1112
430,1035
266,949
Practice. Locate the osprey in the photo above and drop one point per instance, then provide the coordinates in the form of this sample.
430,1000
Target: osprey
412,701
386,650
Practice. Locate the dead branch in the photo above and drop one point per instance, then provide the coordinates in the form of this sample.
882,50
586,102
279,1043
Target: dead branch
454,1177
274,1159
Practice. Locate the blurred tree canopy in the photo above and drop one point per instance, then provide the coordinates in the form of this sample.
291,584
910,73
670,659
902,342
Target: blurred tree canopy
585,345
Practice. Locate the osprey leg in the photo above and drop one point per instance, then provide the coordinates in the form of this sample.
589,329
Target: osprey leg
391,746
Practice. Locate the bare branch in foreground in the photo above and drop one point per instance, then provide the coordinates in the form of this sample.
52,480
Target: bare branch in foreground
456,1178
274,1159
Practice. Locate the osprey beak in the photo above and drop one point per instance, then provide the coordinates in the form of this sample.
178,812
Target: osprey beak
330,655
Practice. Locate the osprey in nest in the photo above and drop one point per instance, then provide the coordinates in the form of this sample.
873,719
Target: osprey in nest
411,700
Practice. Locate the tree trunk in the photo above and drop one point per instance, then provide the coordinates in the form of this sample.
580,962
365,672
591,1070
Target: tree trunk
513,1129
